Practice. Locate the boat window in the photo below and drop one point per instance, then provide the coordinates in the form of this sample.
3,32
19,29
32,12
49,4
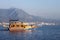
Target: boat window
21,25
17,25
12,25
24,26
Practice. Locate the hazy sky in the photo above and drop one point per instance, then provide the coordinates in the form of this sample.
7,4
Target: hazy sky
43,8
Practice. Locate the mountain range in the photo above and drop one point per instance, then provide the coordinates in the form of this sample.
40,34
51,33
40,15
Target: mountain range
21,15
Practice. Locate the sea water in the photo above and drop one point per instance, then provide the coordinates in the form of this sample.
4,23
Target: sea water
40,33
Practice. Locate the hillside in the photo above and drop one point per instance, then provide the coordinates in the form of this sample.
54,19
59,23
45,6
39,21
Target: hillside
15,13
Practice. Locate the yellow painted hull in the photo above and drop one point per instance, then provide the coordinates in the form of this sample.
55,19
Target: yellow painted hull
19,28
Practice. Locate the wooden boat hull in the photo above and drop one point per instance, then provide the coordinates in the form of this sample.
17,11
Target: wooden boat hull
19,28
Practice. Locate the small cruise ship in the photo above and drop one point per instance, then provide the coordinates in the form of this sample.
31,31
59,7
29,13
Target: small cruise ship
15,25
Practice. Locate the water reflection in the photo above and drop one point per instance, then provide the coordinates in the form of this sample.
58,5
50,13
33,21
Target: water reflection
26,35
